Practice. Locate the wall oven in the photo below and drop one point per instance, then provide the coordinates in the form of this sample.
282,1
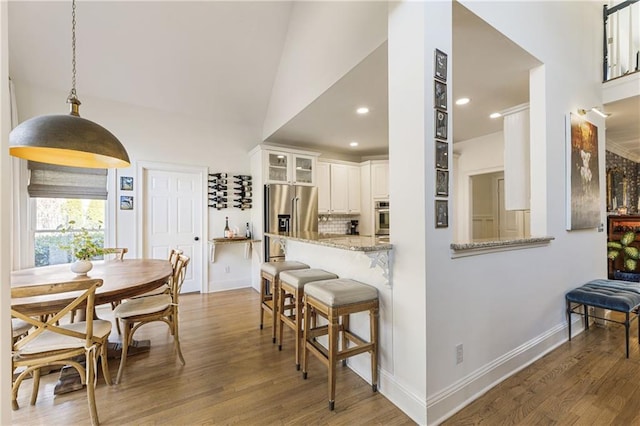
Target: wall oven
381,217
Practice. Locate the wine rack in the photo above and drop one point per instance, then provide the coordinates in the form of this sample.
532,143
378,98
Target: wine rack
242,192
217,192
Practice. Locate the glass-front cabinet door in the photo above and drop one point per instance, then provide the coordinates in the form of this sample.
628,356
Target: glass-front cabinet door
278,167
303,169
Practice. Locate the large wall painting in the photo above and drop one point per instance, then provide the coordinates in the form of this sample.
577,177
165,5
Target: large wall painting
583,183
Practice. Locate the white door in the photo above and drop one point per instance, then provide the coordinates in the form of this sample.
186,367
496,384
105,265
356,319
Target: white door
511,222
172,218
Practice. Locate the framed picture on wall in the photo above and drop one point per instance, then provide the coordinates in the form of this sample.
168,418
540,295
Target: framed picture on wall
442,183
439,95
126,183
441,65
442,155
441,124
442,213
126,202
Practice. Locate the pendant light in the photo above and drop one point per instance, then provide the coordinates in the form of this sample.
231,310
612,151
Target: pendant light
68,140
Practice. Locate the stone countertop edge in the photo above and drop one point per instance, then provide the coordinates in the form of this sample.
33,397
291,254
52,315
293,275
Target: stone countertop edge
500,243
335,242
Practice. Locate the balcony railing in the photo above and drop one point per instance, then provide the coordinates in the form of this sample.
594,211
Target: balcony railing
621,39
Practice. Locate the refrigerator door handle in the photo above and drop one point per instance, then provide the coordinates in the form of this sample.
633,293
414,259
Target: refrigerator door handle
297,213
294,220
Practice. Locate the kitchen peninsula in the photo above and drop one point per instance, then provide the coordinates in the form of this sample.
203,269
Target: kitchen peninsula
362,258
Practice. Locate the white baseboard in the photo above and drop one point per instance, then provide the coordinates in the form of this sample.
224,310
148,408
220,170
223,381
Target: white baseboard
411,404
452,399
217,286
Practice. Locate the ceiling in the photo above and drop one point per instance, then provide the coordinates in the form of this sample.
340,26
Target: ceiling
217,61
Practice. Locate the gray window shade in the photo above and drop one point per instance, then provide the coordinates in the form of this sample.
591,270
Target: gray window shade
52,181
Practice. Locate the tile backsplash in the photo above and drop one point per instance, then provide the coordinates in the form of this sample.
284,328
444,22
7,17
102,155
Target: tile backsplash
335,224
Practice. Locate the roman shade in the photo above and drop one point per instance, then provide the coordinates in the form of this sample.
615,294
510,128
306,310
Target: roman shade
53,181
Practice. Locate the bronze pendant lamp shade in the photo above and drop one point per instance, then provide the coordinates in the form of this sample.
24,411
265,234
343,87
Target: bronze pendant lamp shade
68,140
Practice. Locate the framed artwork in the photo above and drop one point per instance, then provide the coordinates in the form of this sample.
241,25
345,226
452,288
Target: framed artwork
442,183
126,183
441,65
442,155
442,213
126,202
441,124
583,183
439,95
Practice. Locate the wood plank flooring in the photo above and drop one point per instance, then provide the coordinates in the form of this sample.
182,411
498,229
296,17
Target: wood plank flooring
233,375
587,381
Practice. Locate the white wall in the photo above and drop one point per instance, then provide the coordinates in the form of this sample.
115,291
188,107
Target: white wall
5,221
158,136
325,40
507,309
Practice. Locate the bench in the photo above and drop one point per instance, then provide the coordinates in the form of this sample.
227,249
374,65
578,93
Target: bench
618,296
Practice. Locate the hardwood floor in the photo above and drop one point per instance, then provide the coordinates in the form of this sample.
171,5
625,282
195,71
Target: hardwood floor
587,381
233,375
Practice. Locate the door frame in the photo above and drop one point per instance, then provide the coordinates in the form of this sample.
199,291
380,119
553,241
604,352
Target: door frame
144,166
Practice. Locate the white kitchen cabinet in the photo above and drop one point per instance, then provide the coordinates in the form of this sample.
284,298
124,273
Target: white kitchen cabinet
380,180
338,188
323,179
289,168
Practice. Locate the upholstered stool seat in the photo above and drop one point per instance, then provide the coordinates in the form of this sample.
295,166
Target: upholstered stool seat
269,288
618,296
292,287
335,300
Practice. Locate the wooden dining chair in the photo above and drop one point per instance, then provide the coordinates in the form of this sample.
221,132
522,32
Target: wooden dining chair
118,252
48,343
135,313
174,255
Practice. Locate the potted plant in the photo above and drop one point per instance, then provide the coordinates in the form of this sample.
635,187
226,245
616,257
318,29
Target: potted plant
630,256
83,247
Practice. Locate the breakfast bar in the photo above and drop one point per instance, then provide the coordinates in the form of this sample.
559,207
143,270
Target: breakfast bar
362,258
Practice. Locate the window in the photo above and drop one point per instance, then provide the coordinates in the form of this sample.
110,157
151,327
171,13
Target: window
53,213
61,195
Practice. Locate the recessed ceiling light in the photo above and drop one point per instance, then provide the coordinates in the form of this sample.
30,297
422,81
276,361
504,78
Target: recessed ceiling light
353,144
362,110
463,101
495,115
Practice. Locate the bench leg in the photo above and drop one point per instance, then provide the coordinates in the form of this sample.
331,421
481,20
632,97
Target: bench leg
569,319
626,329
585,309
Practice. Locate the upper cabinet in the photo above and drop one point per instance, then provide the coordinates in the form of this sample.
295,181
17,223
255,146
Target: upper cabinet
338,188
289,168
380,180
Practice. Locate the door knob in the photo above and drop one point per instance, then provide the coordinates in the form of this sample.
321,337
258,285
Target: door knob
196,239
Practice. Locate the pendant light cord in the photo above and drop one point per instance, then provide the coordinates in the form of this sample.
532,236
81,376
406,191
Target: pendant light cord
72,95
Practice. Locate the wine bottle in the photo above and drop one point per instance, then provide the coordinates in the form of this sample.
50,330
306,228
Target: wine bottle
218,175
227,231
217,193
218,187
218,199
244,194
242,183
247,232
242,177
242,206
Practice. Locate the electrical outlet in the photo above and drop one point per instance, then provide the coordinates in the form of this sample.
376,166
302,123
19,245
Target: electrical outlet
227,269
459,354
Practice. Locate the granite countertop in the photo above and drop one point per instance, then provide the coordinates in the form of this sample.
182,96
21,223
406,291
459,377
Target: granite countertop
345,242
491,243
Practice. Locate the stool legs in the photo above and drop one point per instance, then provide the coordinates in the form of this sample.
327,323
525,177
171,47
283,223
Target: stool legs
269,293
333,357
373,325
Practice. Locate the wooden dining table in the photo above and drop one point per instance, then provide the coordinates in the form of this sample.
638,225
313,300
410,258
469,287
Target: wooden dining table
122,279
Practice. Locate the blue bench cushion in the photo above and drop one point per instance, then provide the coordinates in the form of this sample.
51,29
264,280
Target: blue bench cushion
620,296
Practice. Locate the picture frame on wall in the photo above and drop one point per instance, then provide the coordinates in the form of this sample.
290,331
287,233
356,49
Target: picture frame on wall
441,65
442,213
126,202
583,179
126,183
441,122
442,155
440,95
442,183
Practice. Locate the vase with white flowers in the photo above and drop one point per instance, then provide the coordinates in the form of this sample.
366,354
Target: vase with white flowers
82,246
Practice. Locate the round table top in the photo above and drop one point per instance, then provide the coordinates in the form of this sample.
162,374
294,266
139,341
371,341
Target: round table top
121,279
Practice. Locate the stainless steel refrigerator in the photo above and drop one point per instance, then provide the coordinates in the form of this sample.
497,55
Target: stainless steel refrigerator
288,208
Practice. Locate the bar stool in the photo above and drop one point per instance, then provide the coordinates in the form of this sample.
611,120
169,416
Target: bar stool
269,285
292,286
335,300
